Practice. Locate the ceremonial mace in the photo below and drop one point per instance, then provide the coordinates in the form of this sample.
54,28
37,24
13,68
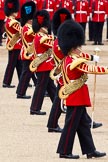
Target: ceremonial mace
97,50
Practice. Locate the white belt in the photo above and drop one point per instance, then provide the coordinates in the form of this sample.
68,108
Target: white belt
99,12
81,12
50,10
39,54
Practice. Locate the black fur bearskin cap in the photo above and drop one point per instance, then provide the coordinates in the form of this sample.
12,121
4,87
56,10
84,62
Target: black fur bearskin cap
70,36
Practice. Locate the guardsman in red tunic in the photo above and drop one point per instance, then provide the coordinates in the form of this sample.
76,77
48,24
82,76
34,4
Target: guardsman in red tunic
43,63
13,44
99,10
82,12
75,92
57,108
59,17
27,52
2,17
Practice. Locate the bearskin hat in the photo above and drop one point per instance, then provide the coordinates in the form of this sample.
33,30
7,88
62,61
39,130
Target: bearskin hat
11,6
28,10
70,35
59,17
41,19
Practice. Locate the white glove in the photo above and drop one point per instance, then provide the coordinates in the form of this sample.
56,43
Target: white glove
87,18
96,58
72,15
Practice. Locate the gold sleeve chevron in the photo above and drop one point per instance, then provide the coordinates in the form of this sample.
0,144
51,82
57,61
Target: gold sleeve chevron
47,40
30,32
93,69
15,24
86,56
13,21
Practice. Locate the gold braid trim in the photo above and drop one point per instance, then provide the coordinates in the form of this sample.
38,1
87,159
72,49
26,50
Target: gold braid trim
39,59
13,38
28,48
73,86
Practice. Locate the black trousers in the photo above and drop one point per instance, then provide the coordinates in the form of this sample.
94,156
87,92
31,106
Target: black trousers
26,75
83,24
98,30
13,62
44,83
55,111
1,29
76,122
91,30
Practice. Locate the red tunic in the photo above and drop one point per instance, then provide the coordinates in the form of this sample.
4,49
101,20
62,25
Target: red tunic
68,4
28,37
40,49
81,96
2,15
81,11
13,29
99,9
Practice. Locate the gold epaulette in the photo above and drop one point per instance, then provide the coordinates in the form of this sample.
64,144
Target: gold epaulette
15,24
45,38
76,62
30,32
13,21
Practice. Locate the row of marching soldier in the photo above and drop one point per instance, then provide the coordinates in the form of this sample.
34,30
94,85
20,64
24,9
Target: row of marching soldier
38,52
93,12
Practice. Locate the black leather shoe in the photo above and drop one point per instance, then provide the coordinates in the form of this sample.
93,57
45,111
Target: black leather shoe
96,154
23,97
8,86
37,113
57,130
95,43
69,156
96,125
100,43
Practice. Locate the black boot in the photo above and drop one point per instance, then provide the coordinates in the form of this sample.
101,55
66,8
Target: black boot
96,154
37,112
95,125
57,129
69,156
